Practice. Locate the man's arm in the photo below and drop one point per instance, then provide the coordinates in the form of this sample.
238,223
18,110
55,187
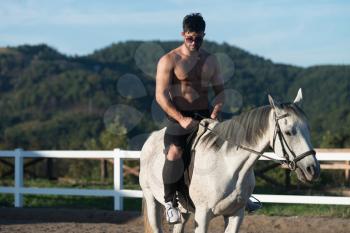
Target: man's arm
218,87
163,80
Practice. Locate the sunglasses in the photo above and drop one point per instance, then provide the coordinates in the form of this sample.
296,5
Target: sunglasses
196,39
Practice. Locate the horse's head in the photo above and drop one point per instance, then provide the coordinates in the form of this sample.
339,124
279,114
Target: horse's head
290,138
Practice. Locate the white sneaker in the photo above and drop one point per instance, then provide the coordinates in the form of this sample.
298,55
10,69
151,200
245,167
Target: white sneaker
172,213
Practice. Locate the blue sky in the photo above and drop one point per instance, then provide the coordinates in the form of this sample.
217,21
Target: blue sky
295,32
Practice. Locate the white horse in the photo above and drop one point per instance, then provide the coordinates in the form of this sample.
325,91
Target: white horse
223,177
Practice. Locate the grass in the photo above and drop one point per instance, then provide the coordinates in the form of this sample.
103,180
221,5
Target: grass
73,202
305,210
76,202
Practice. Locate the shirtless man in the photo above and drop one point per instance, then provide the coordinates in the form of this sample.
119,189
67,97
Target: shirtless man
183,78
182,82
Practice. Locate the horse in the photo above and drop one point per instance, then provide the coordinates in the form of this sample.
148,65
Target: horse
223,176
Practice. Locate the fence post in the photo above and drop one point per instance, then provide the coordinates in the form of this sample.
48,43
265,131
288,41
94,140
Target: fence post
18,178
118,180
347,163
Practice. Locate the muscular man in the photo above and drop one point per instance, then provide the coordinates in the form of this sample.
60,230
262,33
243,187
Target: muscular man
184,76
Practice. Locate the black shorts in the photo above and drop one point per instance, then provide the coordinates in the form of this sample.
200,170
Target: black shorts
175,134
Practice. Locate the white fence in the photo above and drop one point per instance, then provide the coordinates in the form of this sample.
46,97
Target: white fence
118,192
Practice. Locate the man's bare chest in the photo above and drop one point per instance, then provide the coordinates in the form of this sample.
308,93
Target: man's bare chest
192,70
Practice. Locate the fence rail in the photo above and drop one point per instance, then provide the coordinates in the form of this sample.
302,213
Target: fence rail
119,193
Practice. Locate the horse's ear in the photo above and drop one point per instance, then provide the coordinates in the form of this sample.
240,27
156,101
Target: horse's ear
274,104
299,98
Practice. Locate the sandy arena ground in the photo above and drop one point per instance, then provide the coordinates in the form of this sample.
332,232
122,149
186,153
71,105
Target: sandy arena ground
93,221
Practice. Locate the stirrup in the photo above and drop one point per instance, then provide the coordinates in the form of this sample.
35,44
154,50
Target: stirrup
252,207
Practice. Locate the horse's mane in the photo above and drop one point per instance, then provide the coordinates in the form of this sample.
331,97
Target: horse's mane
246,128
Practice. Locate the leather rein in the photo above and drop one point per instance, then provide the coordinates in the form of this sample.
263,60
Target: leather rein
291,164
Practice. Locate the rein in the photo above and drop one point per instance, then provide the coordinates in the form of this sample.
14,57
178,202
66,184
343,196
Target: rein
291,164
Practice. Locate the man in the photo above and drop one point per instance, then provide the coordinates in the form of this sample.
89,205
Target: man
182,84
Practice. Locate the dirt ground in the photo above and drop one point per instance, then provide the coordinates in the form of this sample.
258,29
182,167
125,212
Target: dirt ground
93,221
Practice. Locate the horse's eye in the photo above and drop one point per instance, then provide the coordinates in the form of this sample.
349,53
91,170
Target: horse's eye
291,132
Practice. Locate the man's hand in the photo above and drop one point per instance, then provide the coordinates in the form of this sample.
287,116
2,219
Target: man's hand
188,122
216,111
214,116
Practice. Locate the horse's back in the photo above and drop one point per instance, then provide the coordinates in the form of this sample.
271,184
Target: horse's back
152,145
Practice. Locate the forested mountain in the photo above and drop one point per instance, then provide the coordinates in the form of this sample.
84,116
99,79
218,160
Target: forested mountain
106,99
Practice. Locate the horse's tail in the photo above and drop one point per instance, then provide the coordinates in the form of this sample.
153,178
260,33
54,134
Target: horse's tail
146,225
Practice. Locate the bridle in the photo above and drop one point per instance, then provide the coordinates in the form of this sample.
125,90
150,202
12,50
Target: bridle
291,164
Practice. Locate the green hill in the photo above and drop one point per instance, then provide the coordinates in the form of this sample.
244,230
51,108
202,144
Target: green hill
53,101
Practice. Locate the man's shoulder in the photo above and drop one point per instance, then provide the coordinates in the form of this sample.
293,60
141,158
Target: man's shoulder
170,57
174,54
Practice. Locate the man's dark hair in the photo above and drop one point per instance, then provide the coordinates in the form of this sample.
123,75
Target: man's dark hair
193,23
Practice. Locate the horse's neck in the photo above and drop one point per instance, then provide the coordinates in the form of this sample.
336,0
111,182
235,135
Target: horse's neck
242,161
261,144
264,141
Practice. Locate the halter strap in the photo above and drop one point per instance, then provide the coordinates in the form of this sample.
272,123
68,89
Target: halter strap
296,158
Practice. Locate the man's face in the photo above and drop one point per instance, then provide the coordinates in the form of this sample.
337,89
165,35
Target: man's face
193,40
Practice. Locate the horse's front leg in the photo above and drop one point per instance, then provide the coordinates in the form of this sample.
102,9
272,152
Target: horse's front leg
230,204
233,223
202,218
179,227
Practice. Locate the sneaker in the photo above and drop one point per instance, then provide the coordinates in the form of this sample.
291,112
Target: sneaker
172,213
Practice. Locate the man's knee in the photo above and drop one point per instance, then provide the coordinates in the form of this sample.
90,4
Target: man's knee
174,152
